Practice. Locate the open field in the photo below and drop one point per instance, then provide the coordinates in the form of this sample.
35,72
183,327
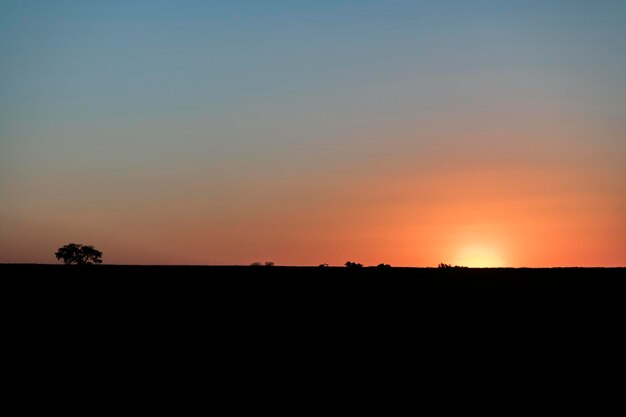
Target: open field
419,282
276,303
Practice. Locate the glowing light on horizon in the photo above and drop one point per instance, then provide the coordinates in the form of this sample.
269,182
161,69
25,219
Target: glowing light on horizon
480,257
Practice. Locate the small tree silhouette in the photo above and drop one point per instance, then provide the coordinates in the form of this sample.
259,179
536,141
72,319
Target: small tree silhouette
448,266
77,254
353,265
268,263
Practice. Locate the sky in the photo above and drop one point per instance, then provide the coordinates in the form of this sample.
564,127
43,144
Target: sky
482,133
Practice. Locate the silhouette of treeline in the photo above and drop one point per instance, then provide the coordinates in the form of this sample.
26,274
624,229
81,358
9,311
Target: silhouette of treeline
447,266
79,254
350,264
354,265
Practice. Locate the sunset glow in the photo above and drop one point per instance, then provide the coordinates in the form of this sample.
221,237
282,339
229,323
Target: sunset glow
480,257
476,133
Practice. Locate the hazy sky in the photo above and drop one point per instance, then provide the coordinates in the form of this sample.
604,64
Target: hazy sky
301,132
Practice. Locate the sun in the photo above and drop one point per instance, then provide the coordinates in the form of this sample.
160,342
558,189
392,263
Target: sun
479,257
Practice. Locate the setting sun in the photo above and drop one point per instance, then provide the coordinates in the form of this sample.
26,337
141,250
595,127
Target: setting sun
479,257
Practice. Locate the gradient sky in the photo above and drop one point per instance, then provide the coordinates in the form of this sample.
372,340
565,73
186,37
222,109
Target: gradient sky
481,133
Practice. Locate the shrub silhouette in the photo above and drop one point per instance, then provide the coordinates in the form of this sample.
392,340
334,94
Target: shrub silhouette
446,266
353,265
77,254
268,263
383,266
323,265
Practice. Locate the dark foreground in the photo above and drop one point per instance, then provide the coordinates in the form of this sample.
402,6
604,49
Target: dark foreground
416,282
199,298
244,309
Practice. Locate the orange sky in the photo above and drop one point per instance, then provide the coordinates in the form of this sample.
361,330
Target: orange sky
475,207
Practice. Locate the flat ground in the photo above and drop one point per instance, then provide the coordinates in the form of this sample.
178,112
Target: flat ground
417,281
241,300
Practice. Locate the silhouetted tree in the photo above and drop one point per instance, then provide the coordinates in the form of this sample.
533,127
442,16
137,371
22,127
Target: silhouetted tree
323,265
353,265
445,266
383,266
269,263
77,254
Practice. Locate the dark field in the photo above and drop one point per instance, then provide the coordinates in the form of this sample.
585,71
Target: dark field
404,299
417,282
263,304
